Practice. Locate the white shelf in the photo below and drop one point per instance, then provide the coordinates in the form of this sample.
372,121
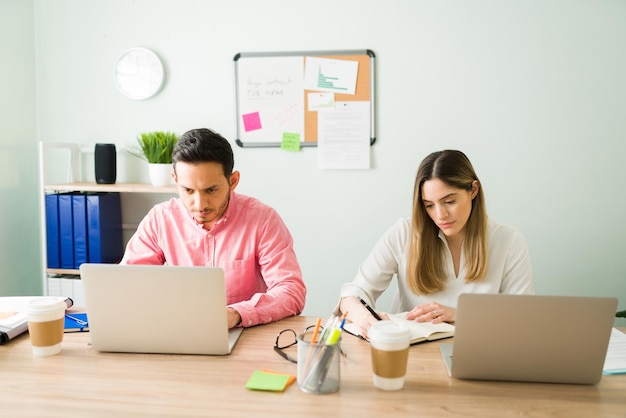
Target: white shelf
117,187
63,272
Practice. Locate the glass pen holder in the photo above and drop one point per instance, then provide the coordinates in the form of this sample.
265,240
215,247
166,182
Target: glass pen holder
318,366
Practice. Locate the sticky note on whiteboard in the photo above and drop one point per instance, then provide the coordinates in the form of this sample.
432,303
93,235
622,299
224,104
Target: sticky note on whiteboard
290,142
251,121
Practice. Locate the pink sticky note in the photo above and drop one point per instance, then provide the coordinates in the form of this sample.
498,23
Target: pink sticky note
251,121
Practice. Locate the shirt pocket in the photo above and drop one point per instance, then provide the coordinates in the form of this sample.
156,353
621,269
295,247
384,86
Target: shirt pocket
243,280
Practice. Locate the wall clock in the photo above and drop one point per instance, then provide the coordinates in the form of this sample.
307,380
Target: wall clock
139,73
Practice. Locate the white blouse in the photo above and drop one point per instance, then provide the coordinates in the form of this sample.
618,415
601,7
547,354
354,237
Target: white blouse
509,269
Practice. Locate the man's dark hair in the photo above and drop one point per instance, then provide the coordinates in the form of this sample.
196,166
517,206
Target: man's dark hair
203,145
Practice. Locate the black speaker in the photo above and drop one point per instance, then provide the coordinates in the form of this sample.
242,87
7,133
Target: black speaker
106,163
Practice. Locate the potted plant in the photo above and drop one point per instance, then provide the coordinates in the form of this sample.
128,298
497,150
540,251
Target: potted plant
156,148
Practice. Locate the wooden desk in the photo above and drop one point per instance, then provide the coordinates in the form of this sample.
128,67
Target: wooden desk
83,382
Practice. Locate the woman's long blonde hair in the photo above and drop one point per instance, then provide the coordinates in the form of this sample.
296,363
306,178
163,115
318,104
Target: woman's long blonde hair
426,271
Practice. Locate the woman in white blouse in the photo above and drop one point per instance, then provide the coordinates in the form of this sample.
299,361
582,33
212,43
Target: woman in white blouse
448,247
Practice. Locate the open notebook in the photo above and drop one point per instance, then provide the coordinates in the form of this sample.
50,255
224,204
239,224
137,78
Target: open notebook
157,309
531,338
420,331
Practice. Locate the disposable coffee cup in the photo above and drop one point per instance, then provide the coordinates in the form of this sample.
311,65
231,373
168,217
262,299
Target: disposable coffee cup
389,345
45,325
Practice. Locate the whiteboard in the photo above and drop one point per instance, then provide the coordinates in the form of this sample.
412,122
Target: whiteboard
282,93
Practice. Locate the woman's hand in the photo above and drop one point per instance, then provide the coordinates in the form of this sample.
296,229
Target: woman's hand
358,314
432,312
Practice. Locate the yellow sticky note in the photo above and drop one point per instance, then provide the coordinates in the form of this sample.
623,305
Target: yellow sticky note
290,142
261,380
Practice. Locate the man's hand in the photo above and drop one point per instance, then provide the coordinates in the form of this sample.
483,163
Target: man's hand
233,317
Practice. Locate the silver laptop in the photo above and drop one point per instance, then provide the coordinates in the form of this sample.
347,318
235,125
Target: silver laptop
157,309
530,338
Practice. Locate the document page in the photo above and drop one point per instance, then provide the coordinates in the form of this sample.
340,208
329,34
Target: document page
615,362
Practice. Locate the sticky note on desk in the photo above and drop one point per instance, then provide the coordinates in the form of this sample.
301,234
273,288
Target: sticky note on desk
271,381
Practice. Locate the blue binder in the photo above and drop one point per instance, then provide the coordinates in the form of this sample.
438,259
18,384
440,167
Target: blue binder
79,214
104,228
52,231
66,230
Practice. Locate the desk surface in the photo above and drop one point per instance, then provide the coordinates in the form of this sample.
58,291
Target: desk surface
83,382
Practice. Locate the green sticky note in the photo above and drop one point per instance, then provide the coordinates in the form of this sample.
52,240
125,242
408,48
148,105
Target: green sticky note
267,381
291,142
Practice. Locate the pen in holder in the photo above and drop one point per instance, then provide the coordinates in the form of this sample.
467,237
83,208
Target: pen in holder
318,366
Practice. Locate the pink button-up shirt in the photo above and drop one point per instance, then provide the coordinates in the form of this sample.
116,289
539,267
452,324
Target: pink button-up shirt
250,242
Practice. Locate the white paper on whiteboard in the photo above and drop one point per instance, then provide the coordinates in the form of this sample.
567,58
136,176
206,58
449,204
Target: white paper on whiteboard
320,101
335,76
344,137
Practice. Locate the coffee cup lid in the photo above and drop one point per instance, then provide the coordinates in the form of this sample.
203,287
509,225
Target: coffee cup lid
389,331
46,305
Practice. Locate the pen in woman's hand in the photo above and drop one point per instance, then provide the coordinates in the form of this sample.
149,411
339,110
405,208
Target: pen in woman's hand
369,308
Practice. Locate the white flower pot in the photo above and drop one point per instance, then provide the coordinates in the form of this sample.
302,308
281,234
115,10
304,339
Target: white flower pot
160,174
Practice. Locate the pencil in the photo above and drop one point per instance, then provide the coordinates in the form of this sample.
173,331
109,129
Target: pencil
316,330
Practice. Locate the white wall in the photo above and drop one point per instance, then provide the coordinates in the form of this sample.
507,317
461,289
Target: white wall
533,91
19,215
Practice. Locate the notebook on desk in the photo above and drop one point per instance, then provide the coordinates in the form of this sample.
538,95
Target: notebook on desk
530,338
157,309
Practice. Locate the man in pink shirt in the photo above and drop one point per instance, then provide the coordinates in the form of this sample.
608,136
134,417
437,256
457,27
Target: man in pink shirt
211,225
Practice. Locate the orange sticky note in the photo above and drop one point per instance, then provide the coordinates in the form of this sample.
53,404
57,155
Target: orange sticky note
292,378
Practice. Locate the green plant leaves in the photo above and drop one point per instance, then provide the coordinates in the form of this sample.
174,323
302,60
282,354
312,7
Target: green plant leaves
157,146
